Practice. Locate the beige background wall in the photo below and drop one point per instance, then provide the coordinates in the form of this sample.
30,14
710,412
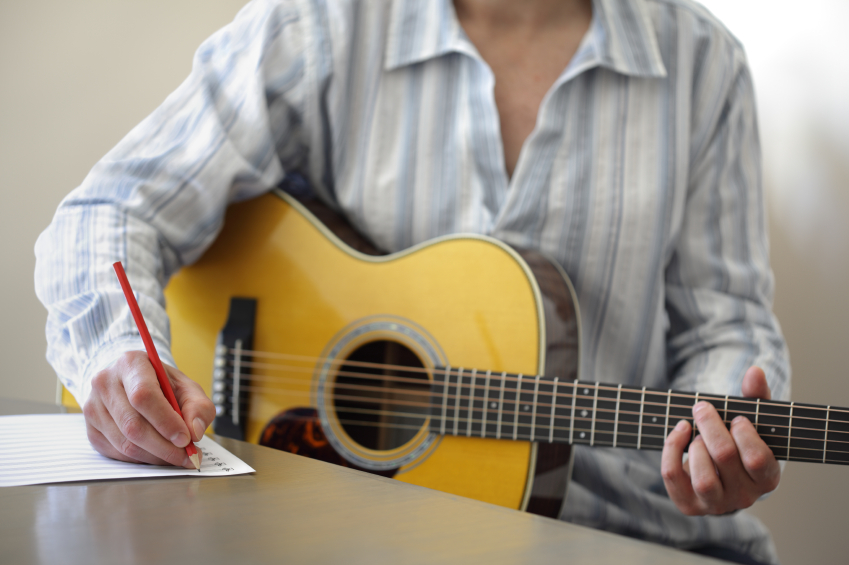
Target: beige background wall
76,76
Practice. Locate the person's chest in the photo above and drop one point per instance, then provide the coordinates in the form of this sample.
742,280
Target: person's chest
603,168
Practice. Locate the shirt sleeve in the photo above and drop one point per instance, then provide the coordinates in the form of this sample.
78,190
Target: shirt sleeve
719,284
157,200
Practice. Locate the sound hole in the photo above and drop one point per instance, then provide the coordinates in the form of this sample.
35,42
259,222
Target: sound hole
384,406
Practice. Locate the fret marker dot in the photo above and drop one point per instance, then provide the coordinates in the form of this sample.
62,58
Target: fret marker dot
586,391
493,405
772,429
583,435
584,414
526,408
654,418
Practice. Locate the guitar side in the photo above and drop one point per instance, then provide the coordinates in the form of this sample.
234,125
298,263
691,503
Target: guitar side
474,302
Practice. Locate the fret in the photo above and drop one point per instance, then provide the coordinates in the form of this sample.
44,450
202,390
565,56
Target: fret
501,404
525,408
616,415
457,396
517,407
653,419
572,412
553,406
837,447
486,405
693,420
666,419
605,416
640,425
584,403
471,410
725,414
680,407
807,433
595,406
773,427
534,413
789,431
563,413
445,384
737,407
757,413
825,436
718,402
628,427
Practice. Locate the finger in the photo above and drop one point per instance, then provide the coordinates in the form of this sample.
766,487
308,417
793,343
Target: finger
675,476
758,459
146,397
706,482
133,432
198,410
755,384
722,448
108,440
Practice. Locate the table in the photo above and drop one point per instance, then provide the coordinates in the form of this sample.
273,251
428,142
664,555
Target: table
293,510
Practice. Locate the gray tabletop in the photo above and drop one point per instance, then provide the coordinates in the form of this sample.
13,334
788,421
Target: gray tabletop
293,510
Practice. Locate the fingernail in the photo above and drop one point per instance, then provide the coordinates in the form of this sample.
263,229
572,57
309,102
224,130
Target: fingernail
738,420
200,427
699,408
681,425
180,439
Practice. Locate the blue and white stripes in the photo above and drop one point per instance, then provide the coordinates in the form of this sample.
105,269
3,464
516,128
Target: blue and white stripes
642,178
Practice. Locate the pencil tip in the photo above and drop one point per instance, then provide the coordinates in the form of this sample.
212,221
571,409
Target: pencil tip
195,461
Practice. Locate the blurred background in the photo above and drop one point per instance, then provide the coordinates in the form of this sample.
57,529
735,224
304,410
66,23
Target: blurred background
77,76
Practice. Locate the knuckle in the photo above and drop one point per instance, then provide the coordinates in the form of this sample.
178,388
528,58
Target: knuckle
100,381
133,428
669,473
89,411
756,461
130,449
140,395
726,453
705,485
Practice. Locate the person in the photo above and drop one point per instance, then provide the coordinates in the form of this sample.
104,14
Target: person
618,137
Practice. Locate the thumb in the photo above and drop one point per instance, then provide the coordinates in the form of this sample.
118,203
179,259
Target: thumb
198,410
755,385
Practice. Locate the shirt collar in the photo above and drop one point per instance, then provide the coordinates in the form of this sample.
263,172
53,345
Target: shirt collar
621,36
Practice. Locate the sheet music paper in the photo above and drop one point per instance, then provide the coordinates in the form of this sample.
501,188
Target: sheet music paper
54,448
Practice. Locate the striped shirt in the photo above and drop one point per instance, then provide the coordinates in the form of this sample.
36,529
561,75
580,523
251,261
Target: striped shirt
641,177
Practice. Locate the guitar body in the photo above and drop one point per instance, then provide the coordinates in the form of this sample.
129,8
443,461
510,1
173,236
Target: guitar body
456,301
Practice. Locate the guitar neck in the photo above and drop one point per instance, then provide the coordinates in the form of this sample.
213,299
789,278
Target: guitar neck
473,403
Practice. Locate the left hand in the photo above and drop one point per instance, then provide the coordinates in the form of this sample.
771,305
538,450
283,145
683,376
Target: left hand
726,470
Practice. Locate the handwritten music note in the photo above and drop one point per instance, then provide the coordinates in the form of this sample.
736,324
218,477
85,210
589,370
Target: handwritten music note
53,448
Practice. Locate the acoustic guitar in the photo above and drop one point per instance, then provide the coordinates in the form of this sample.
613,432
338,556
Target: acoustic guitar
451,365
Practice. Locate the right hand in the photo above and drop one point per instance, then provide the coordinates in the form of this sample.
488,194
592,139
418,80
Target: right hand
128,417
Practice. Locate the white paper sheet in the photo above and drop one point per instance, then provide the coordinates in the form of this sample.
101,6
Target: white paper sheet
54,448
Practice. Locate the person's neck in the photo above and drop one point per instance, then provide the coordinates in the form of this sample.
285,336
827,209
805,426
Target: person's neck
528,15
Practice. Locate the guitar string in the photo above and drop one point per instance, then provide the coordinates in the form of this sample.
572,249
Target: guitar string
598,443
368,388
508,378
663,428
423,383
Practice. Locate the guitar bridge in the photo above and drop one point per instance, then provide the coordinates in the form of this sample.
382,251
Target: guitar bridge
232,369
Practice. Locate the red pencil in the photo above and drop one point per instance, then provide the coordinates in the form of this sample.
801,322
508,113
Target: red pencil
164,383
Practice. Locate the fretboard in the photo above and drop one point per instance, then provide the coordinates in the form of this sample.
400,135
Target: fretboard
509,406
